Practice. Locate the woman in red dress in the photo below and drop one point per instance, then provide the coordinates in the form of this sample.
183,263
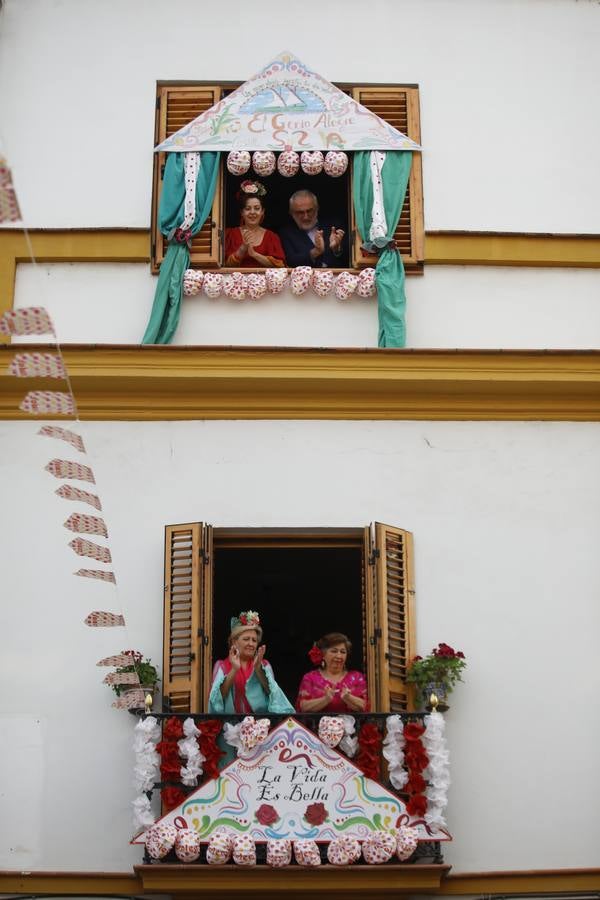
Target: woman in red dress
251,245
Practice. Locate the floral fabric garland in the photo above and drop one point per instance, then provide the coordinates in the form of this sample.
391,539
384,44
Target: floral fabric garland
349,743
146,769
438,769
178,737
369,750
393,751
416,763
238,286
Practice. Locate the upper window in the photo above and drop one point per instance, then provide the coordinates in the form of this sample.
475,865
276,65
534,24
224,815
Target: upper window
178,104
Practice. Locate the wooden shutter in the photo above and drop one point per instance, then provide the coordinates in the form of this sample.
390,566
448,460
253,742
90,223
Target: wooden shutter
176,105
185,644
394,616
370,619
400,107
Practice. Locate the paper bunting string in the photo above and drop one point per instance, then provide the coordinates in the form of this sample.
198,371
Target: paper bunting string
55,431
101,619
9,205
130,700
94,551
119,659
64,468
37,365
121,677
54,402
100,575
86,524
29,320
68,492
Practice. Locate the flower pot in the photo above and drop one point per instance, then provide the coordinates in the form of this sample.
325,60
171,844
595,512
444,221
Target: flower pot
440,691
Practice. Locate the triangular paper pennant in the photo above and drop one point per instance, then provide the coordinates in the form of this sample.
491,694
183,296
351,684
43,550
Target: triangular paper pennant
87,548
64,468
37,365
29,320
55,431
284,105
86,524
101,619
119,659
43,402
9,205
294,786
68,492
101,576
130,700
121,678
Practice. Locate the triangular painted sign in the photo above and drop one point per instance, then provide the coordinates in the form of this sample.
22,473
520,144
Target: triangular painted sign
294,786
287,105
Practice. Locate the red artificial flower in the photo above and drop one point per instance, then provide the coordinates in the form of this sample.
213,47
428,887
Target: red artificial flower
368,758
416,784
266,814
460,654
210,750
315,813
244,619
315,654
169,752
416,759
417,805
210,728
172,797
413,731
173,729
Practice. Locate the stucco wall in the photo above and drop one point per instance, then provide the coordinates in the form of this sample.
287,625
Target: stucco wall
452,306
507,93
505,519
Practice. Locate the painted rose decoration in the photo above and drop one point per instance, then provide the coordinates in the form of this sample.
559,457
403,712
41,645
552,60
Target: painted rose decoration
268,815
315,813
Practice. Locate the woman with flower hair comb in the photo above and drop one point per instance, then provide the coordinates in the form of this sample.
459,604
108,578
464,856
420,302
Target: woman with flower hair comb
251,245
331,687
244,682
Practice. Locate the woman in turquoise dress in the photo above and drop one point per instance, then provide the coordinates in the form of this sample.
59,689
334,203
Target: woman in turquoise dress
244,682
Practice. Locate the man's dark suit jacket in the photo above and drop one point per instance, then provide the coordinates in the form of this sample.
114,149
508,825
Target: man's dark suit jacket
297,246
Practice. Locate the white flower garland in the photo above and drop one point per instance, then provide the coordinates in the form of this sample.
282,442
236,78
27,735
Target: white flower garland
349,743
146,770
438,769
190,751
393,750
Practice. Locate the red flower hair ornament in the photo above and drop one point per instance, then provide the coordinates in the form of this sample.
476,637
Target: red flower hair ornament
315,654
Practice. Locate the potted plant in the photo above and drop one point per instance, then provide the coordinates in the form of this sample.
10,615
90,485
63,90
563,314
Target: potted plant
437,673
143,668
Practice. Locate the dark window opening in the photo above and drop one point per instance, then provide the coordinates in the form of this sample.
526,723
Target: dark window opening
300,593
333,195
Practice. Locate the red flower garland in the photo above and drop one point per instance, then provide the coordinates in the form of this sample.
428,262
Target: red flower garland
416,761
210,729
368,757
170,764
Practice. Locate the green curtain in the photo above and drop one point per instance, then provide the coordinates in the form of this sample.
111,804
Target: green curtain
167,299
389,271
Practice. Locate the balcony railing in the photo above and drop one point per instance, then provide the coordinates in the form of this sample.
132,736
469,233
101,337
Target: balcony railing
427,851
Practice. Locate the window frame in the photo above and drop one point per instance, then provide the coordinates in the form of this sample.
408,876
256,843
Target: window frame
388,615
208,246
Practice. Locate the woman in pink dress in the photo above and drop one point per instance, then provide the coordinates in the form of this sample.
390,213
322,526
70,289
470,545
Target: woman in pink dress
332,687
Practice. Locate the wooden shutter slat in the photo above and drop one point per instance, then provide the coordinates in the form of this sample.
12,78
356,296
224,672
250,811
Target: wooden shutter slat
395,618
178,105
181,676
400,107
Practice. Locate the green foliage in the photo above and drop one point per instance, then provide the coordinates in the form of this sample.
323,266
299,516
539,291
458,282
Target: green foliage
443,665
144,668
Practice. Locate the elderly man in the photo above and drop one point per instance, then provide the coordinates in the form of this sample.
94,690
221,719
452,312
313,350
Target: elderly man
308,242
